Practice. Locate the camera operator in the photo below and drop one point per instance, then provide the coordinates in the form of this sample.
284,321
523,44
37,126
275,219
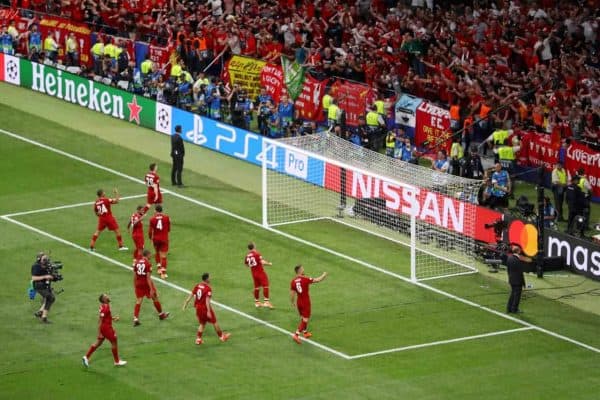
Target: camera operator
41,277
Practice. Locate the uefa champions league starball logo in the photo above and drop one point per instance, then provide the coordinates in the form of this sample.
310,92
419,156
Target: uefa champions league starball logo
163,118
12,70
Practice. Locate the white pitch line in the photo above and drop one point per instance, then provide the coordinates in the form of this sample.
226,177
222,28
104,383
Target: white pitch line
308,243
440,342
87,203
171,285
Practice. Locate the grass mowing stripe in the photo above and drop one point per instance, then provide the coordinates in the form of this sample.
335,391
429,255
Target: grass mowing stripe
311,244
441,342
171,285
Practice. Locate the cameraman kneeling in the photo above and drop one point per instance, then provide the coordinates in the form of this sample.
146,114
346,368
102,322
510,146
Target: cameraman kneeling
41,283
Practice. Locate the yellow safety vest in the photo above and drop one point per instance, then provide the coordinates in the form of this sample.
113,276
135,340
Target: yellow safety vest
326,102
332,112
380,107
187,77
48,44
457,151
582,183
390,141
372,118
98,49
71,45
176,70
500,136
506,153
146,67
117,52
109,50
562,176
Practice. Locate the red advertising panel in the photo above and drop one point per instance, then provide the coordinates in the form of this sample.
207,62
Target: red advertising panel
308,104
433,126
353,98
429,206
61,28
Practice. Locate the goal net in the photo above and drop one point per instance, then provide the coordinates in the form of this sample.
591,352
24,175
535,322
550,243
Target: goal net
323,177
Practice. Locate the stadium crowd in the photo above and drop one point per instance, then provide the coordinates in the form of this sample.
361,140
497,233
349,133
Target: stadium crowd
493,63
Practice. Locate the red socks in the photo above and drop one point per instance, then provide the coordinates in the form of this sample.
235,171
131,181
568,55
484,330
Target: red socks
158,306
157,258
136,310
256,293
163,263
91,351
266,293
301,327
120,240
94,238
115,352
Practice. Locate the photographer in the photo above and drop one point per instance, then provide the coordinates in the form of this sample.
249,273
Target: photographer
41,277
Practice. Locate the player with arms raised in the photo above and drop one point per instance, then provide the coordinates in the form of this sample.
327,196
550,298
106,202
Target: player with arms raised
105,331
299,288
158,232
202,293
106,219
255,262
154,195
144,287
136,228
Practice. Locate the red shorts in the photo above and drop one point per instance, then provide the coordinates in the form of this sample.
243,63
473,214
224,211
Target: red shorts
260,279
108,333
138,241
107,222
304,310
161,246
202,315
142,291
150,198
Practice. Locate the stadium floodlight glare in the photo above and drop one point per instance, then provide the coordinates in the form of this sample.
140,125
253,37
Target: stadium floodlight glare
323,177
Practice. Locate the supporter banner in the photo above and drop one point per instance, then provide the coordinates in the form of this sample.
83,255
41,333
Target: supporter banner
8,14
353,98
581,156
61,28
160,55
432,126
581,256
271,78
77,90
308,103
293,76
406,110
538,149
245,72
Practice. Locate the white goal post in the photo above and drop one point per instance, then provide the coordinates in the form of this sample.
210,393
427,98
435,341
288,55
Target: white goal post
328,179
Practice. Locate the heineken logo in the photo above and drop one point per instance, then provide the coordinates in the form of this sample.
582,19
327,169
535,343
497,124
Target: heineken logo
81,91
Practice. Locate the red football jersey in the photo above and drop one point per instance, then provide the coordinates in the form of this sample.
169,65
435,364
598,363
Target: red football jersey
106,315
151,179
201,292
254,261
300,285
141,269
102,206
160,226
135,222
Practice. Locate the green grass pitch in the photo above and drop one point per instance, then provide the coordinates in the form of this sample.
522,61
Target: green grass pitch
375,336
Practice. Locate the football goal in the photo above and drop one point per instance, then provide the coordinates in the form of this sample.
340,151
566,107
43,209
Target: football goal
323,177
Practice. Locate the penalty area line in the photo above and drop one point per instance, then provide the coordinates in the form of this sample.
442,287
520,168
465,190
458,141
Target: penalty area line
441,342
171,285
308,243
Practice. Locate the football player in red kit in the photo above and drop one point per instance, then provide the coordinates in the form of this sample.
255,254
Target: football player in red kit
152,180
136,228
255,262
299,288
158,232
102,208
105,331
202,293
144,287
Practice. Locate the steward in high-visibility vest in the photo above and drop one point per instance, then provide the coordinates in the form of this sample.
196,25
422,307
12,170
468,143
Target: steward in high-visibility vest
146,66
506,156
373,119
333,114
500,135
380,107
176,70
456,154
97,54
51,47
586,188
326,103
390,144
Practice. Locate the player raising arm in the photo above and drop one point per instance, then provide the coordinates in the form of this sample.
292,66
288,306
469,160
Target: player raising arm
299,289
202,293
144,287
105,331
106,219
154,195
136,228
255,262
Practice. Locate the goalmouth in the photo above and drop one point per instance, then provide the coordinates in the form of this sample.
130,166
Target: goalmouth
323,177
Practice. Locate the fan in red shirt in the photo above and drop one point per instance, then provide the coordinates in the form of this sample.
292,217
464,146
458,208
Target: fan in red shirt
255,262
136,228
158,232
202,293
144,287
106,219
154,195
105,331
299,288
